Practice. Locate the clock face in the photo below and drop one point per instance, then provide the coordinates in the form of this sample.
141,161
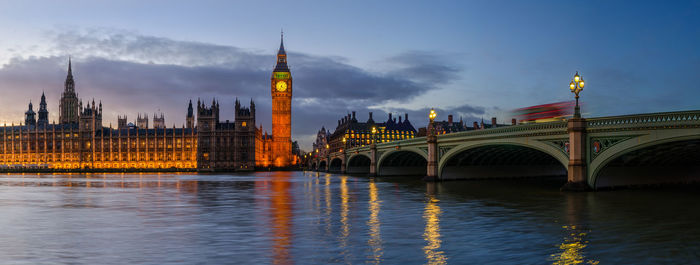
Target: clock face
281,86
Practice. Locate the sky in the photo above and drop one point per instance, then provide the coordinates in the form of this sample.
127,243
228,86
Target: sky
472,59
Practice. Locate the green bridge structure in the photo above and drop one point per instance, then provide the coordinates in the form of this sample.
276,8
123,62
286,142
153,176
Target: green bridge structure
593,153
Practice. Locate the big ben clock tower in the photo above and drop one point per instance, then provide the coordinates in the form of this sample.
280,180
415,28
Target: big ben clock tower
281,91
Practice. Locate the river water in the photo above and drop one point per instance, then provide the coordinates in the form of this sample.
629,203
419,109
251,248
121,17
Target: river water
318,218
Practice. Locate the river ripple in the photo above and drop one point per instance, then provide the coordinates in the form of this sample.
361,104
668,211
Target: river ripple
318,218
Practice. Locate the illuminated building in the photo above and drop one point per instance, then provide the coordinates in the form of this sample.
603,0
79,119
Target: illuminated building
281,92
360,133
323,138
80,141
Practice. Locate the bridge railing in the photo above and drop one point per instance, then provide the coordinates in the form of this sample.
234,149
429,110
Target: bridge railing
650,119
558,126
545,126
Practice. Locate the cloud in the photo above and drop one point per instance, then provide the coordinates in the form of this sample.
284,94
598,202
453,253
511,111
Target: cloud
132,73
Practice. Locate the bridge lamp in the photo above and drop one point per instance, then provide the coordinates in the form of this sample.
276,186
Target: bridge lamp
374,133
432,114
576,85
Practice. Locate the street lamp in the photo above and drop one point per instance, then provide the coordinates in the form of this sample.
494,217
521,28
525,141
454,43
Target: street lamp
431,126
345,146
576,86
374,132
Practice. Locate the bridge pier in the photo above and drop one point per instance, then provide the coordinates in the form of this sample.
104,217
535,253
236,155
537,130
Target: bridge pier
372,160
576,179
432,170
343,162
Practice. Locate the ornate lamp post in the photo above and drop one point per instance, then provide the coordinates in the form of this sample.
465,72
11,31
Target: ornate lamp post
576,128
432,169
576,87
345,141
431,116
374,135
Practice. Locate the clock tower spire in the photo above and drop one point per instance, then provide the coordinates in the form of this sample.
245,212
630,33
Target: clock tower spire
281,92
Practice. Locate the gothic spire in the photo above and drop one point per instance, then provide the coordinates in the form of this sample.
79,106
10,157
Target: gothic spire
281,51
70,83
281,57
190,111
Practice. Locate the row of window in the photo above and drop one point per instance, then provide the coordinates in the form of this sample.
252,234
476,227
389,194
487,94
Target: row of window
88,157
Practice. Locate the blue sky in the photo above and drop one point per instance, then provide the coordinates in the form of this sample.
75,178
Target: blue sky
470,58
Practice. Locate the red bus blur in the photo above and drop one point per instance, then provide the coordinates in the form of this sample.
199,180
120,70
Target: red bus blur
547,112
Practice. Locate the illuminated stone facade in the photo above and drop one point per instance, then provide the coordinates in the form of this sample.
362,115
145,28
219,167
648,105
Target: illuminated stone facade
360,133
281,92
80,141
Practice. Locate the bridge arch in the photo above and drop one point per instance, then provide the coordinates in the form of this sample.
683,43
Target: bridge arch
402,162
322,165
505,158
658,157
335,165
358,164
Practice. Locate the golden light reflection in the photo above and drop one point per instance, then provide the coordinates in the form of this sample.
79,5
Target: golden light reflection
572,249
329,208
281,218
88,181
431,215
375,237
344,210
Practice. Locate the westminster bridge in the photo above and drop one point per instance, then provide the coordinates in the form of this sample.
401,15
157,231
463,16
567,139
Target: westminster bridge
593,153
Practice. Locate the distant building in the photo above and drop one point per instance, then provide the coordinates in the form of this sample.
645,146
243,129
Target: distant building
449,126
68,106
322,144
121,122
190,116
158,122
43,120
142,121
358,133
30,116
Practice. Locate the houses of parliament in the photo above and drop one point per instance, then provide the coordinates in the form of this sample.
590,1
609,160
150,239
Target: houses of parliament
80,141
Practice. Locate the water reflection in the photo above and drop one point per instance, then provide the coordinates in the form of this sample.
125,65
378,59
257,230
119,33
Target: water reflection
344,210
277,190
572,249
327,197
431,215
375,237
281,217
102,181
